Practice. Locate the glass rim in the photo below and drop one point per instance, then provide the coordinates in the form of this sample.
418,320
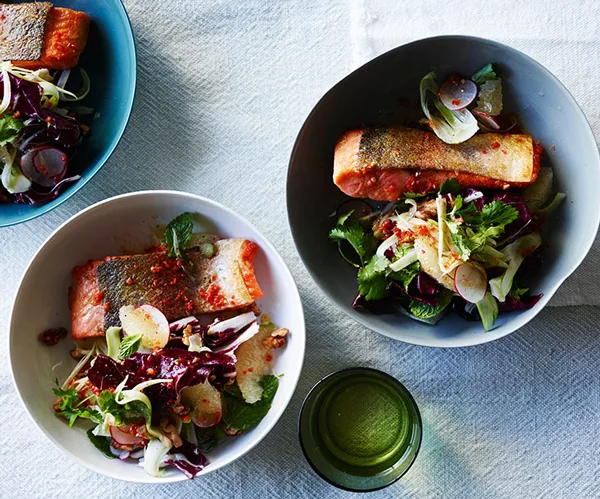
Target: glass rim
394,381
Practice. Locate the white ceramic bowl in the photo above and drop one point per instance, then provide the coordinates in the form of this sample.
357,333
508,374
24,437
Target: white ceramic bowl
112,227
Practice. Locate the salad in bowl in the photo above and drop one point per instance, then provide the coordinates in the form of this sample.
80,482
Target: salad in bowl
186,342
466,198
42,121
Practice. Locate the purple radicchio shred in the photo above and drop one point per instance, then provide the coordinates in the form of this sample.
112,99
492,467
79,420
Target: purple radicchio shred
512,303
188,459
377,307
33,196
479,202
389,253
185,368
26,99
430,297
521,225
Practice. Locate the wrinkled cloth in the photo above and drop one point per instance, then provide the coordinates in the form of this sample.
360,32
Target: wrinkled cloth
223,89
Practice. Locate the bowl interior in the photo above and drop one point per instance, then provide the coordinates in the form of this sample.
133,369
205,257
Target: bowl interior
118,226
109,59
386,91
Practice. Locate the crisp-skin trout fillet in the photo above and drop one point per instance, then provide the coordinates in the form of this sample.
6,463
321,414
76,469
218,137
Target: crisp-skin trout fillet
38,35
225,281
382,163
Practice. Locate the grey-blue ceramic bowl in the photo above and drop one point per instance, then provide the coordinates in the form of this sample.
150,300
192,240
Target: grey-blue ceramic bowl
110,60
385,91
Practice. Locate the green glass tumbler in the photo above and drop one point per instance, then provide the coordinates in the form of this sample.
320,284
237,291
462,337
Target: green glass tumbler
360,429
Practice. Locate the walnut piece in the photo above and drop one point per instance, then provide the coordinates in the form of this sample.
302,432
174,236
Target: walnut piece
277,338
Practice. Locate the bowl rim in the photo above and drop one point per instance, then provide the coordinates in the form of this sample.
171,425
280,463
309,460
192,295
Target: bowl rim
521,319
77,186
300,334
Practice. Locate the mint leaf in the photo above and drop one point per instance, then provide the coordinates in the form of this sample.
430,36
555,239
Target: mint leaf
362,242
131,412
72,408
178,234
371,279
450,185
238,414
101,443
9,129
486,73
209,438
129,345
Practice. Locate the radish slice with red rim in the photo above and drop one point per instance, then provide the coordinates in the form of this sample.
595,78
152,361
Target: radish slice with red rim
470,282
496,124
123,436
457,93
45,166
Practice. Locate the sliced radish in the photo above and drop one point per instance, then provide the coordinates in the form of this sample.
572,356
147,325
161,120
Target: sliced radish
45,166
147,321
457,93
470,282
205,401
123,436
494,123
486,120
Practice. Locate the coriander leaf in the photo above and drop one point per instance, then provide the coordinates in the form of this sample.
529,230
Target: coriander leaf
101,443
238,414
131,412
424,311
347,230
72,408
178,234
371,279
9,129
462,244
450,185
129,345
497,213
486,73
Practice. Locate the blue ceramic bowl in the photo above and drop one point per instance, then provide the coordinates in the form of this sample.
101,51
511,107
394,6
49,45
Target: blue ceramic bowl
110,61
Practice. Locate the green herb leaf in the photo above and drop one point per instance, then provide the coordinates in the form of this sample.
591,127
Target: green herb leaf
497,213
129,345
131,412
101,443
178,234
371,279
238,414
352,232
486,73
517,292
424,311
209,438
72,408
414,195
407,274
450,185
9,129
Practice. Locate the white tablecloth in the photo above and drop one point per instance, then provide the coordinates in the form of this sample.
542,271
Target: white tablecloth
223,89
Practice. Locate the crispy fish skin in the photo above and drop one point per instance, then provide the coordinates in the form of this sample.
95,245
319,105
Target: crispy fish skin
382,163
58,43
225,281
22,28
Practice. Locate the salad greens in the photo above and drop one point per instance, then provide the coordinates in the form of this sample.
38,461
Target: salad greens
410,255
161,392
240,415
178,234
